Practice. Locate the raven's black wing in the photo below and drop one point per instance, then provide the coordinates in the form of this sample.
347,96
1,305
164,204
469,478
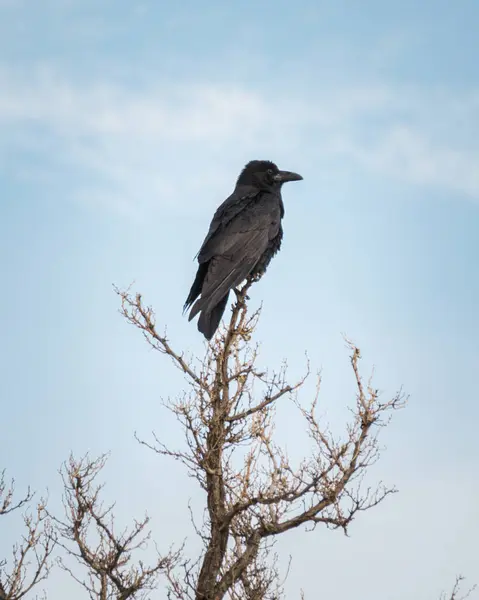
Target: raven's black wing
234,248
228,210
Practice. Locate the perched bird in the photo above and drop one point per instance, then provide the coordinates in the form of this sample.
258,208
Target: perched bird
243,237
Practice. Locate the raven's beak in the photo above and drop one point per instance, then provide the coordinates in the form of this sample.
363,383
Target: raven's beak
284,176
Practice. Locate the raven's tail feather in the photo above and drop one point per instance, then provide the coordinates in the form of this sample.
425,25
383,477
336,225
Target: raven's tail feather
212,295
209,321
195,290
213,281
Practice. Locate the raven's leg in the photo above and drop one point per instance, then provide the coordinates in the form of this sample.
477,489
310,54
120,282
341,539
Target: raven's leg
252,278
256,276
239,295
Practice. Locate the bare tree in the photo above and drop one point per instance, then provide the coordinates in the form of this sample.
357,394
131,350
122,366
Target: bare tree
29,564
88,533
254,492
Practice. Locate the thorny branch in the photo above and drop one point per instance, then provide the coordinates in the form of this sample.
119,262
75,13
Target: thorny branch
88,533
30,558
254,491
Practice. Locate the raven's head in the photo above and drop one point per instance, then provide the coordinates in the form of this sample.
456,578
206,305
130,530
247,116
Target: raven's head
265,174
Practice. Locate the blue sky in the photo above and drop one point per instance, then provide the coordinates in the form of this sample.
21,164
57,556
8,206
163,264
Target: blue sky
124,124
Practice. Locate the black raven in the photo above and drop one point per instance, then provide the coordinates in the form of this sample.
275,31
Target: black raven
244,235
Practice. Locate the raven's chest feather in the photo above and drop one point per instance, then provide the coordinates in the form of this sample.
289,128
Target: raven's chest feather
273,206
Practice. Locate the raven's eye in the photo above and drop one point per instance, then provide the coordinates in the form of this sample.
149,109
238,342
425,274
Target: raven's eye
270,172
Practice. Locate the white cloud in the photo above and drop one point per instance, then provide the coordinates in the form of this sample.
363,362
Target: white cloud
176,113
138,146
404,153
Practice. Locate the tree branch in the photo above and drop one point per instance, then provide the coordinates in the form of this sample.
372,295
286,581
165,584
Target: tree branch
111,572
254,492
35,548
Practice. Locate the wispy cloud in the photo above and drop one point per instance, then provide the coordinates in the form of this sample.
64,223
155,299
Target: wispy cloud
403,152
165,140
175,113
